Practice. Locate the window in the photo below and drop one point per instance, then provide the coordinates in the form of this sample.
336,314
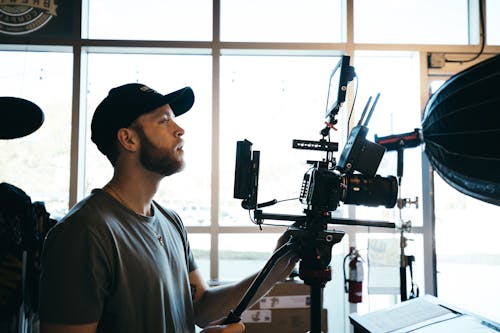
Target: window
39,163
411,22
395,76
270,101
200,245
260,71
150,19
492,24
282,21
243,254
164,73
467,251
466,248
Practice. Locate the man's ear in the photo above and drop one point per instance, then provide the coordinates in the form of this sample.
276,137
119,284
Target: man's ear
128,139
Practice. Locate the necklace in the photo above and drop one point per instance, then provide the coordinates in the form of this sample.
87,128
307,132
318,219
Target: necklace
110,189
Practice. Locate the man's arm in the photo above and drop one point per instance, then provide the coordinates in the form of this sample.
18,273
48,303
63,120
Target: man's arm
214,303
211,304
59,328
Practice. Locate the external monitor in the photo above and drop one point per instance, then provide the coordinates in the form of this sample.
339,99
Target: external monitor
340,77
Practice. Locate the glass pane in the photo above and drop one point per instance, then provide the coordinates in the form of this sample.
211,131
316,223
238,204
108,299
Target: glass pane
466,248
200,245
281,21
411,22
381,253
39,163
241,255
270,101
150,19
187,192
468,255
492,22
396,77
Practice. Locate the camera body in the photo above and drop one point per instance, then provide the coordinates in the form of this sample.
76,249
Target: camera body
323,189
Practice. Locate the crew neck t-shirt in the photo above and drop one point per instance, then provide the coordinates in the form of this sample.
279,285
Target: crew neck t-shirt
103,262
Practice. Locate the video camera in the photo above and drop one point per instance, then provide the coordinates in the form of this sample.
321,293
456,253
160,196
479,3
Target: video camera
352,180
324,186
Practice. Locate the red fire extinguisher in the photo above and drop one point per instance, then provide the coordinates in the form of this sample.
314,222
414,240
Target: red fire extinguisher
354,283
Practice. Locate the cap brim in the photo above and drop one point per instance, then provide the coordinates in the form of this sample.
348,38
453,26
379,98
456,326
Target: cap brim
180,100
19,117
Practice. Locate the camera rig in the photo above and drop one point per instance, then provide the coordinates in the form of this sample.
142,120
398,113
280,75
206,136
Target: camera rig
327,183
352,180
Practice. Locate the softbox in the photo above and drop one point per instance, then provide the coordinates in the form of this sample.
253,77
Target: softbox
461,131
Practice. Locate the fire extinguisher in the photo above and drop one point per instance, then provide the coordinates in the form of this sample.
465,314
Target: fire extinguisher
354,282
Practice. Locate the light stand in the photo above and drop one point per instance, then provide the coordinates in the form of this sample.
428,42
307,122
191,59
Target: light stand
405,261
400,142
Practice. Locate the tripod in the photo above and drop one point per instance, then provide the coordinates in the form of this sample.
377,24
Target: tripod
313,243
314,268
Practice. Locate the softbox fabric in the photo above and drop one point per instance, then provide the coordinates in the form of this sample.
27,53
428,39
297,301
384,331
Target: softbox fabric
461,131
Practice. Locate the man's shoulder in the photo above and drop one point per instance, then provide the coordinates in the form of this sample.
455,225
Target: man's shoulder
86,215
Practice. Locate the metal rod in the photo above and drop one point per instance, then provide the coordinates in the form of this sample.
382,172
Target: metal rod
234,316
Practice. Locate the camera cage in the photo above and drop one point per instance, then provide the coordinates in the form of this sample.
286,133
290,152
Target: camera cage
359,154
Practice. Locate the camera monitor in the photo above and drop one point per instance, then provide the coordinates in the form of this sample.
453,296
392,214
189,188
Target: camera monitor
340,77
246,174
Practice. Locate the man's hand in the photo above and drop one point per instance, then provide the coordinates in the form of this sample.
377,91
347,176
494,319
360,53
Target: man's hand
217,327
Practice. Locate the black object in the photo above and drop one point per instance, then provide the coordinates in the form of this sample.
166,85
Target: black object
311,241
461,131
23,226
400,141
19,117
323,190
246,174
360,154
340,77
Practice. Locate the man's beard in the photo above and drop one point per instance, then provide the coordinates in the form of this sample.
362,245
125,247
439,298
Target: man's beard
158,160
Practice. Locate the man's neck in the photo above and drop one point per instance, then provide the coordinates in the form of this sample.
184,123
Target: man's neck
135,194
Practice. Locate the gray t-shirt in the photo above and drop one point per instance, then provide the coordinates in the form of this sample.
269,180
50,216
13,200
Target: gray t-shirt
103,262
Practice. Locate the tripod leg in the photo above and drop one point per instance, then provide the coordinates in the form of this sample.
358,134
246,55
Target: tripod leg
234,316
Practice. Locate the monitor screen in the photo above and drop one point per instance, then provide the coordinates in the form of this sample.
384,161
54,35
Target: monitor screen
339,78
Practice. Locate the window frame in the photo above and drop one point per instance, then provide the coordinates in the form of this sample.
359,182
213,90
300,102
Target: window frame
81,46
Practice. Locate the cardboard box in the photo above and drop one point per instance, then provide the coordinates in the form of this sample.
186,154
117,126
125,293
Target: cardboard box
289,294
281,320
285,308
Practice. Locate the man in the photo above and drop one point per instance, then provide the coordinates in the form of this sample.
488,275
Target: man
118,261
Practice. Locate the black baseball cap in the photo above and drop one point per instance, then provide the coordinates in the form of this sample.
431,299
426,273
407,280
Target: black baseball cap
126,103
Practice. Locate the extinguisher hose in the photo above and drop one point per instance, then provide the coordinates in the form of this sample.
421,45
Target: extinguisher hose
346,280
